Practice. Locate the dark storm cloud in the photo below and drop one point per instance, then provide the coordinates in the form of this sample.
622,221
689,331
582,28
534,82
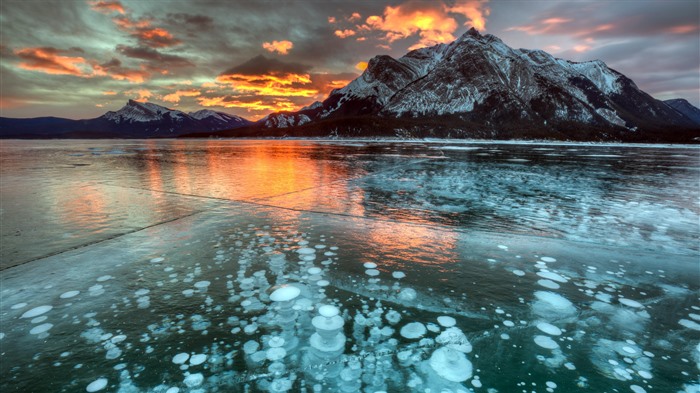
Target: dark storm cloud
38,22
155,58
261,65
655,43
660,56
116,70
60,95
199,22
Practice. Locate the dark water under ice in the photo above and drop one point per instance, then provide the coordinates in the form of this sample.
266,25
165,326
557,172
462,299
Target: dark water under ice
568,267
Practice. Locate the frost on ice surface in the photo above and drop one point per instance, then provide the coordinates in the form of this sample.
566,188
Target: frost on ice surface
446,321
413,330
69,294
552,305
549,329
181,358
546,342
97,385
451,364
36,311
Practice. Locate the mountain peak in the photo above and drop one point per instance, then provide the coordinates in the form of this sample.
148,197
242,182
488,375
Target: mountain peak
470,35
479,82
473,32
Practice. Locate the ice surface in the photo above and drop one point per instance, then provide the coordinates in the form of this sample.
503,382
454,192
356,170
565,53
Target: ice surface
476,235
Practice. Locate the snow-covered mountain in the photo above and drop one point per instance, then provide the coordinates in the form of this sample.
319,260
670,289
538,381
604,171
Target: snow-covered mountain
686,108
133,120
155,117
479,86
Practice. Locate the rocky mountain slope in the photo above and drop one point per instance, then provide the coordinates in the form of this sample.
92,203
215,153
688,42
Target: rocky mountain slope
477,86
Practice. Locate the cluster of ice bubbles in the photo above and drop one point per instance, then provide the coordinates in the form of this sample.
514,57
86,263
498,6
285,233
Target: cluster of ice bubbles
289,333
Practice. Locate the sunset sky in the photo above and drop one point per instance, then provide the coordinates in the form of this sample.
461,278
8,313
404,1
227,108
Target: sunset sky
78,59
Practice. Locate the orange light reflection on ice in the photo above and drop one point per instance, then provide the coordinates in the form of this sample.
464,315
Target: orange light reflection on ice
181,172
86,208
397,246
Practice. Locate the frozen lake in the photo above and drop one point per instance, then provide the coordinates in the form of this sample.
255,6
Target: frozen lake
203,266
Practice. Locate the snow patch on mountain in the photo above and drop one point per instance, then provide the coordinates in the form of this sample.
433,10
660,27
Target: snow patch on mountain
141,112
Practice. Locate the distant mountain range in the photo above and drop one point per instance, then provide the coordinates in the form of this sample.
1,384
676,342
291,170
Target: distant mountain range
686,108
474,87
134,120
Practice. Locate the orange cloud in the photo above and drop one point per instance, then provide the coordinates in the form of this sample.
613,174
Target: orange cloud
556,25
142,29
175,97
253,105
474,10
269,84
581,48
156,37
107,7
331,19
281,47
280,85
11,102
128,24
684,29
555,21
600,28
344,33
52,61
325,83
544,26
361,65
355,16
143,94
433,25
338,84
269,77
109,93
